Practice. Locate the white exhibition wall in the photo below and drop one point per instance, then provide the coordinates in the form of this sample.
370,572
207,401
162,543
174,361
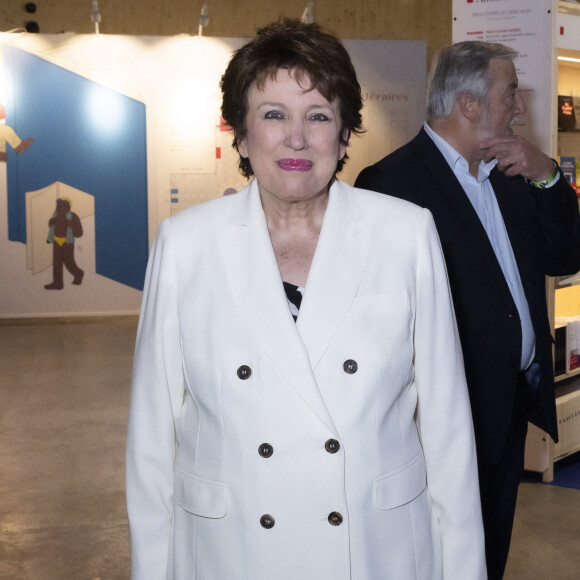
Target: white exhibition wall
170,85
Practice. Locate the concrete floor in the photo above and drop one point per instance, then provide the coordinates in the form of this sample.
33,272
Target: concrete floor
64,393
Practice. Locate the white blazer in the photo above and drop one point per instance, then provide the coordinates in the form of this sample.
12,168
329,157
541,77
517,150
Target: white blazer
338,447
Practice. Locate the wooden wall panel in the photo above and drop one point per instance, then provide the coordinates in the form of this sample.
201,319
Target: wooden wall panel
386,19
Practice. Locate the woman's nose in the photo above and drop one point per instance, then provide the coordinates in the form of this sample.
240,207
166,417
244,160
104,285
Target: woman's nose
295,136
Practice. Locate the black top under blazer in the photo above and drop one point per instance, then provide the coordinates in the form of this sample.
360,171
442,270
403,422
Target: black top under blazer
544,230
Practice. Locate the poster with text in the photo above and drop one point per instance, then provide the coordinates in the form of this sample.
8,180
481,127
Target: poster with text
528,28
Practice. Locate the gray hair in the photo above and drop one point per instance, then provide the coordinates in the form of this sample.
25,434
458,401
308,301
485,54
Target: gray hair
461,68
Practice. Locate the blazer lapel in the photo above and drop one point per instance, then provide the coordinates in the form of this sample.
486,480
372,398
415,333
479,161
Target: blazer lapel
335,273
256,285
450,189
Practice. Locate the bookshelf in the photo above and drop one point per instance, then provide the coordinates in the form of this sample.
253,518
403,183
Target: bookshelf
541,451
563,302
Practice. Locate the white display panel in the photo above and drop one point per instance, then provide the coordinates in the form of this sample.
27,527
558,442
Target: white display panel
189,158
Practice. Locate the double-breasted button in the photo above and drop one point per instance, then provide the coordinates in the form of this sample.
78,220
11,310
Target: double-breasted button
335,518
350,366
244,372
332,446
265,450
513,314
267,521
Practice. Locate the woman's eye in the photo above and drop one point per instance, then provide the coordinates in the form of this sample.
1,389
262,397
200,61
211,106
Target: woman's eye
273,115
319,117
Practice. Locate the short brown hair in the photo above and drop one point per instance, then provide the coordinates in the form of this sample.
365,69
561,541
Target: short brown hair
311,53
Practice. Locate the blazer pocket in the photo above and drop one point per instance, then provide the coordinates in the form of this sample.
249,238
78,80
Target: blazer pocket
381,325
401,486
200,497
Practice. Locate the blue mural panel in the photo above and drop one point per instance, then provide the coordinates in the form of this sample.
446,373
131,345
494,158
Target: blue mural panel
90,137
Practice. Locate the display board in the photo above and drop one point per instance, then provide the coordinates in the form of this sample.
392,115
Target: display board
127,131
527,27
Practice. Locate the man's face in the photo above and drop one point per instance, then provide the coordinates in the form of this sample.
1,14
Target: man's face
503,103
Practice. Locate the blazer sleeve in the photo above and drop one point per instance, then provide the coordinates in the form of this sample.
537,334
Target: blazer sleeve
370,178
559,224
156,398
444,416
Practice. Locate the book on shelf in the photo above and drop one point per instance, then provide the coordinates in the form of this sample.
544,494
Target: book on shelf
567,345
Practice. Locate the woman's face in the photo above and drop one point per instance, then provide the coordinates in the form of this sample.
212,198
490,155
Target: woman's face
292,139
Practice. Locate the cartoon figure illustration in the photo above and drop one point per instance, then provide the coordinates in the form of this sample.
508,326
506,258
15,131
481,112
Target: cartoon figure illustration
8,135
63,227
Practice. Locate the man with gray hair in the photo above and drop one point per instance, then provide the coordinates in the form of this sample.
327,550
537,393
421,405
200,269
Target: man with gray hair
506,218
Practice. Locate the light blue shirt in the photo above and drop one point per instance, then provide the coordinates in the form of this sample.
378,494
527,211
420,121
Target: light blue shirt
482,197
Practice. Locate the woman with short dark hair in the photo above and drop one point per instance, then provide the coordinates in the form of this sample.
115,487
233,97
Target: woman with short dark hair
299,408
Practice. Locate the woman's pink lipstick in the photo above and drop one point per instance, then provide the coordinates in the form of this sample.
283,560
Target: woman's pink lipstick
294,164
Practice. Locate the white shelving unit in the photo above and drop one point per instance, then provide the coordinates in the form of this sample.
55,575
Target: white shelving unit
541,451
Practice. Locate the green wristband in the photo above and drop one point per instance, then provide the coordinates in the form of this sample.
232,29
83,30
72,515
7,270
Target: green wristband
546,182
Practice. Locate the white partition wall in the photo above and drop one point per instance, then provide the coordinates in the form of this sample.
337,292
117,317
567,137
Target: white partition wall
132,124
